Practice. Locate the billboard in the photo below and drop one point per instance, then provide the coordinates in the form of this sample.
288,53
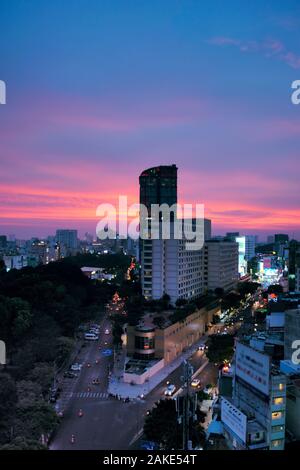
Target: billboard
253,367
234,419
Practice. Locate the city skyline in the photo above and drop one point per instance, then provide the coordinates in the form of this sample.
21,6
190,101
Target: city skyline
149,85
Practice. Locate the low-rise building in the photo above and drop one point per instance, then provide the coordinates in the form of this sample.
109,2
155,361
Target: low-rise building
164,338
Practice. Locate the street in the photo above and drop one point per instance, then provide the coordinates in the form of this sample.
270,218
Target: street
108,423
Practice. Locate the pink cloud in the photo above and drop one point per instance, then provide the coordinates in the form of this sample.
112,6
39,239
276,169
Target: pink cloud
268,47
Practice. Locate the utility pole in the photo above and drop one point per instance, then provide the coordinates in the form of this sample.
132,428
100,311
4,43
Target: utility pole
184,417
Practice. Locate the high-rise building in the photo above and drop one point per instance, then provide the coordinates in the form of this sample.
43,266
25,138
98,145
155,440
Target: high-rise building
15,261
3,241
246,251
292,254
67,239
158,185
250,247
241,241
232,235
40,249
167,265
281,238
221,264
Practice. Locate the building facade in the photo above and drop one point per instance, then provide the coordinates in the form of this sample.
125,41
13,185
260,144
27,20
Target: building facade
220,264
148,341
168,266
67,240
254,417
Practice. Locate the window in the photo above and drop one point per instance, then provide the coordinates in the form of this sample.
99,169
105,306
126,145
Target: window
144,343
278,401
281,387
277,443
277,415
277,428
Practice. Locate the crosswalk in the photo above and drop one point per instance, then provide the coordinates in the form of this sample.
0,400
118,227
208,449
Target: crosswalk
96,395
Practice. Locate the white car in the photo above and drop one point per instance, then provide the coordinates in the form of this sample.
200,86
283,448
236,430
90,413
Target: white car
170,390
195,383
76,367
95,330
107,331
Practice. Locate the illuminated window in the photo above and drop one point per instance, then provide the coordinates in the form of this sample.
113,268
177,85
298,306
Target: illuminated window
277,428
281,387
277,443
277,415
278,401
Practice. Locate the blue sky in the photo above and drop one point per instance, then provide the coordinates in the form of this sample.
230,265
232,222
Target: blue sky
99,90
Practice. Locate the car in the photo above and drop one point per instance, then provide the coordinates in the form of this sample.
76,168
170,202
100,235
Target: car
76,366
170,390
195,383
91,337
70,374
106,331
96,381
148,445
54,394
201,347
94,330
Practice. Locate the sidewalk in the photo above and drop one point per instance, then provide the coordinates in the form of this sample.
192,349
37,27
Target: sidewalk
118,387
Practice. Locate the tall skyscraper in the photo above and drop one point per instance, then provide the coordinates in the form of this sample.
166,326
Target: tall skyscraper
281,238
247,245
167,267
67,239
250,247
221,264
158,185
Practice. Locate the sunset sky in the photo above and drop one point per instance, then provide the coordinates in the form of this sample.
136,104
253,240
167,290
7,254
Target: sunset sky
99,90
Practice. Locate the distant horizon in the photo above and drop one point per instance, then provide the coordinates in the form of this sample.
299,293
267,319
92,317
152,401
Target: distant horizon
43,234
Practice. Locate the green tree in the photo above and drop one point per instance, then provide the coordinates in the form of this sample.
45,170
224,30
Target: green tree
8,395
220,348
28,392
21,443
42,374
34,420
161,424
64,347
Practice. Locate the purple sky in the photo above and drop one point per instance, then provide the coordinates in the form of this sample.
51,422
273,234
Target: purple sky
96,94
